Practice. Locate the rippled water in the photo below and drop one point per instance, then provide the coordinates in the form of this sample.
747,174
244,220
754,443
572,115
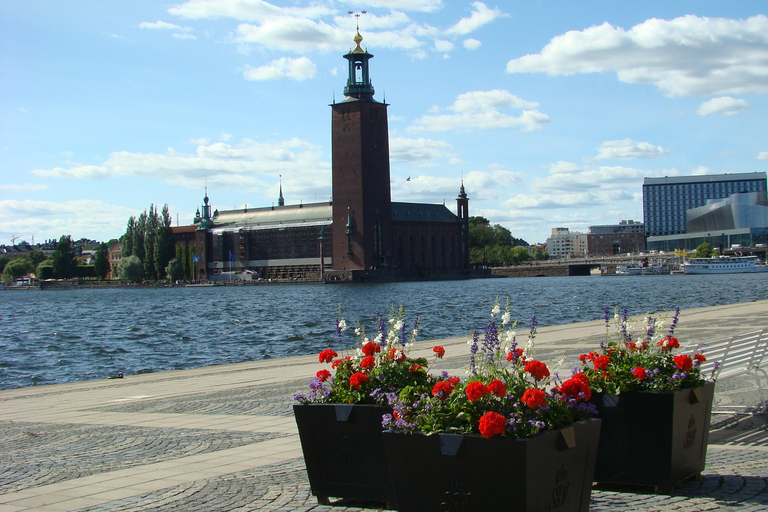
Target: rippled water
49,337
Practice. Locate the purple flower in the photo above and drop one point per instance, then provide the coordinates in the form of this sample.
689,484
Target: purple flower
672,326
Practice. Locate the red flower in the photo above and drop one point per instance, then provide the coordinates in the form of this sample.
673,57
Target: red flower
368,363
700,358
497,388
476,390
683,362
339,361
323,375
442,389
514,354
639,372
492,424
538,369
416,368
439,351
534,398
581,377
454,381
371,348
358,379
327,355
575,387
588,357
396,355
669,343
602,362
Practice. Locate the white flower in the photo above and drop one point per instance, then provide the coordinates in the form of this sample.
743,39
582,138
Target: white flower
495,311
358,331
378,339
398,325
505,318
342,325
639,344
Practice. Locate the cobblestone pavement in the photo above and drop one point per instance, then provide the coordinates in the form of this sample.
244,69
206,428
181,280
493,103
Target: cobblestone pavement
130,445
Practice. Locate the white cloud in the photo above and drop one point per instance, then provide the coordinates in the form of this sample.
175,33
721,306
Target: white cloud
293,34
159,25
725,104
248,165
184,37
421,150
472,44
248,10
576,180
686,56
763,155
403,5
480,110
481,15
442,45
295,69
628,149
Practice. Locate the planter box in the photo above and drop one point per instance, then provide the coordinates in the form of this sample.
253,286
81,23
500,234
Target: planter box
653,439
343,451
550,472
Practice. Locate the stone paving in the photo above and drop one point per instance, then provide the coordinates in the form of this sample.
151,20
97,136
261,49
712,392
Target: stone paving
224,439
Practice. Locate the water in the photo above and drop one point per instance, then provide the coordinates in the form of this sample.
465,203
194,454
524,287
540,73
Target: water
49,337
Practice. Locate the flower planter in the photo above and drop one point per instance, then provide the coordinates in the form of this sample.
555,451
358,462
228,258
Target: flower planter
653,439
343,451
551,471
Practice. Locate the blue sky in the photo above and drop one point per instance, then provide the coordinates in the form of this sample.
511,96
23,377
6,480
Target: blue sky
552,112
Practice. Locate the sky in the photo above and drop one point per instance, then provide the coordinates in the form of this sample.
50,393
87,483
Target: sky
551,112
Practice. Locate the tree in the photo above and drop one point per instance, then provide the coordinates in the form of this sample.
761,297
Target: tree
175,270
4,260
17,267
64,262
165,247
101,261
138,236
36,258
150,237
131,269
127,238
703,251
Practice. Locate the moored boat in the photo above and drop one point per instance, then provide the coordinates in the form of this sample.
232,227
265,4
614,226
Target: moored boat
724,265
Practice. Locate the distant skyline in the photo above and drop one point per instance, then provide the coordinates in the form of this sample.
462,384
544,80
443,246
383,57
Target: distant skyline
551,112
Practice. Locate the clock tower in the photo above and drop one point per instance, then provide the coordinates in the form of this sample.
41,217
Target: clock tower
362,201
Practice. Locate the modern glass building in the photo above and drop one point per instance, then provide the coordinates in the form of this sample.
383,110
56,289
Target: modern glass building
666,200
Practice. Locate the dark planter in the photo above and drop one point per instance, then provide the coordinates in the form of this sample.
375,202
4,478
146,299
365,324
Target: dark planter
550,472
653,439
343,451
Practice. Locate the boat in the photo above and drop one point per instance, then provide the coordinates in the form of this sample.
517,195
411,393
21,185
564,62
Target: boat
724,265
644,269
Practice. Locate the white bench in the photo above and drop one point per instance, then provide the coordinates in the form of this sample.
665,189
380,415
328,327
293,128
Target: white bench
743,354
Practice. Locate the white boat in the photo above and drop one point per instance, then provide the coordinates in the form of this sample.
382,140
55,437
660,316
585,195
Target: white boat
723,265
643,269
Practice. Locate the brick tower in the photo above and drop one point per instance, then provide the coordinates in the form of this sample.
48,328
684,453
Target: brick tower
362,201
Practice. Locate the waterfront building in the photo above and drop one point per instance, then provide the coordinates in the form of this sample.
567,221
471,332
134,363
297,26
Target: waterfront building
628,236
564,244
666,200
360,233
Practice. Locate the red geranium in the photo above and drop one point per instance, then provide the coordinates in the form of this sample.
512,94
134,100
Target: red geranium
368,363
669,343
492,424
534,398
371,348
439,351
416,368
497,388
639,372
514,354
700,358
327,355
576,387
323,375
442,389
476,390
602,362
538,369
683,362
339,361
358,379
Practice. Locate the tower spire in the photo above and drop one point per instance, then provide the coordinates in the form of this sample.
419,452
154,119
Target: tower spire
359,84
280,200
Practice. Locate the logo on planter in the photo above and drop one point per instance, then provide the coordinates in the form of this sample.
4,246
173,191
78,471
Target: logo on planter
690,436
458,495
560,491
348,455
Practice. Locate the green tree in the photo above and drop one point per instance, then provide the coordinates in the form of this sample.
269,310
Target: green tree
131,269
4,260
64,262
165,246
17,267
101,261
175,270
45,269
150,237
138,236
36,258
703,251
127,239
519,253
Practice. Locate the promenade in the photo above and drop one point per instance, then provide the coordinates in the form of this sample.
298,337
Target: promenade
223,438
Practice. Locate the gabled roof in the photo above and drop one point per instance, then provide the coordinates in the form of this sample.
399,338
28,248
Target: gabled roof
421,212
